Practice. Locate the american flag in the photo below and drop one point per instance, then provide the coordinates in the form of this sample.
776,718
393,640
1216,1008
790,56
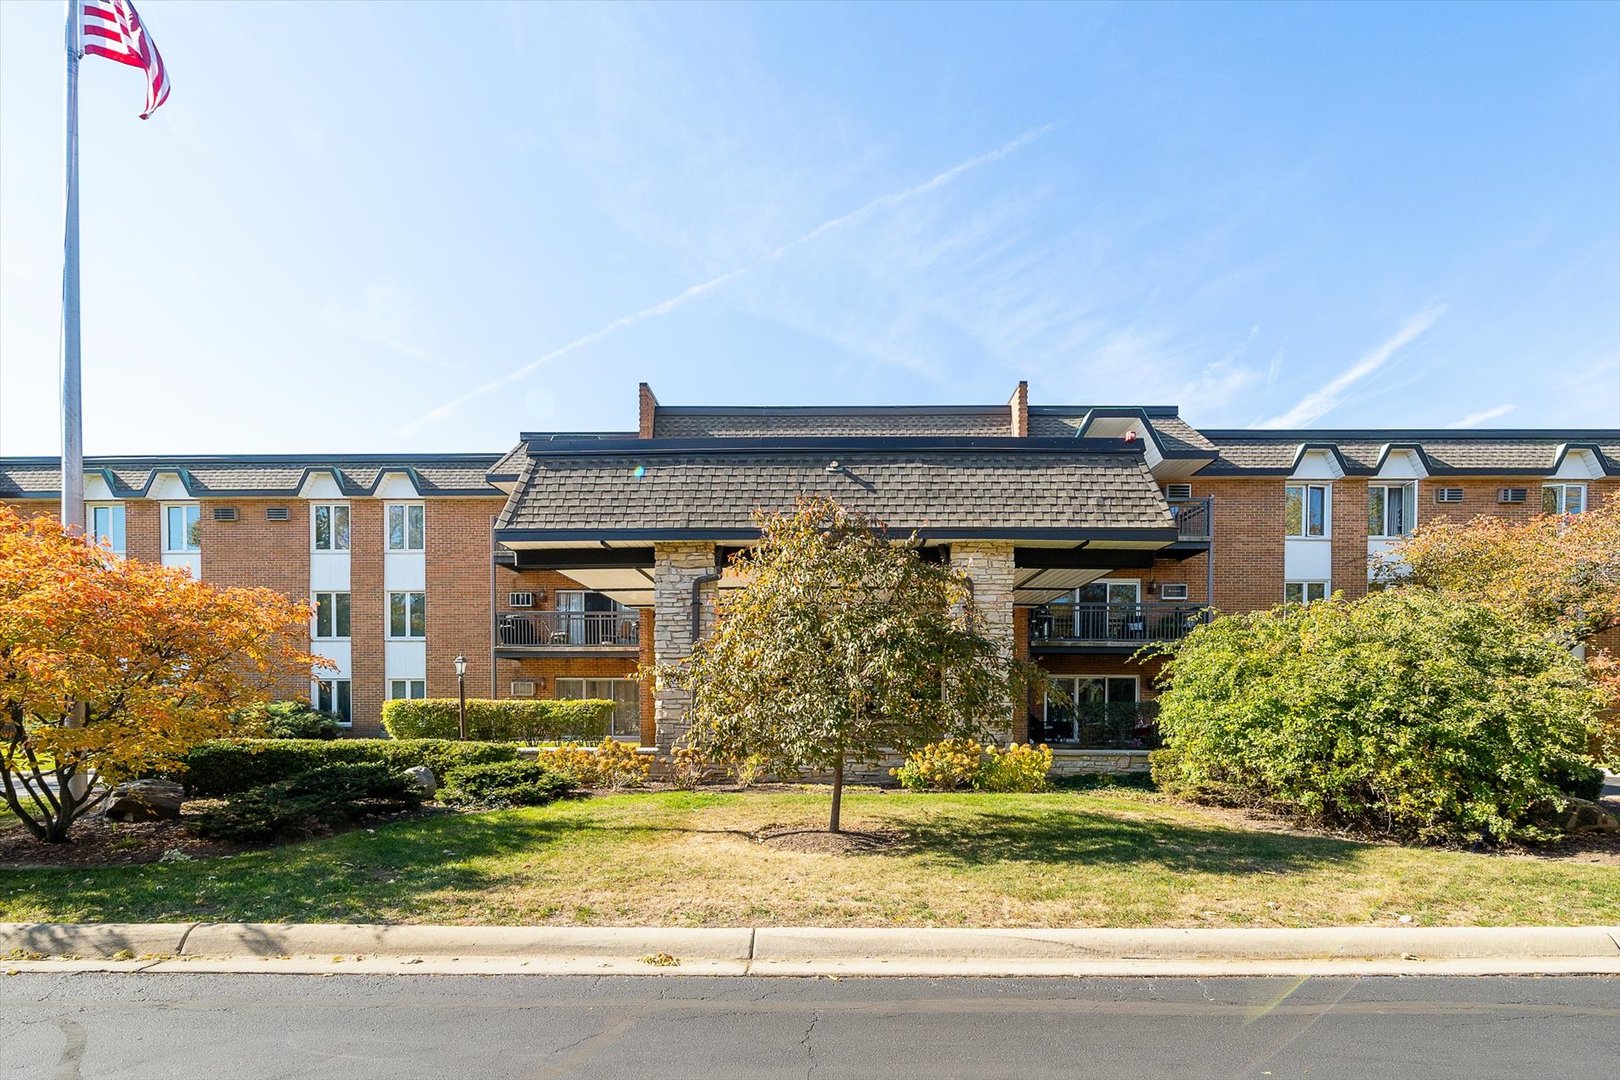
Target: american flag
113,29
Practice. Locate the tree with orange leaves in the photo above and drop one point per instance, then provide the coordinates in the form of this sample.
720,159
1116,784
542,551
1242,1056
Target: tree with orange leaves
111,668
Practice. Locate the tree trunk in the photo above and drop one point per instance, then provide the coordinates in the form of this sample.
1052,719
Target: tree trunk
837,792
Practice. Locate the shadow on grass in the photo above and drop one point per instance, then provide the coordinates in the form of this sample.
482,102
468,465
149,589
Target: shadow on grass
1075,837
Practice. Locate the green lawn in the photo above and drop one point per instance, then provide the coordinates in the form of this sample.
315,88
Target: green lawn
1105,858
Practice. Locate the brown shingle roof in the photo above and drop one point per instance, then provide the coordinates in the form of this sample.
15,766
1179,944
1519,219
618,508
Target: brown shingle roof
702,423
214,477
1466,452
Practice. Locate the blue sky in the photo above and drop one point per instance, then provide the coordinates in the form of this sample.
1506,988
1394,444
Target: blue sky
426,227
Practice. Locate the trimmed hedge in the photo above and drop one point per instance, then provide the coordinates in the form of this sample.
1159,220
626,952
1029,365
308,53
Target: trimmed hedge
309,801
506,720
285,720
504,783
232,766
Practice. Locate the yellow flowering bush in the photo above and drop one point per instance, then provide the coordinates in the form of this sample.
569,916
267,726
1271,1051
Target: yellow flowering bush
947,765
959,764
688,767
611,764
749,770
1016,767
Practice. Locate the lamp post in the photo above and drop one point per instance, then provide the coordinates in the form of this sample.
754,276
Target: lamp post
461,692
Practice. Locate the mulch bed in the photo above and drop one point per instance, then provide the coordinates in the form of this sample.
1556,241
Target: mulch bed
822,842
94,841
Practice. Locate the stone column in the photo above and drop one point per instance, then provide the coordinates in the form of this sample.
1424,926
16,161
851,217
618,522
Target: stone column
989,565
676,566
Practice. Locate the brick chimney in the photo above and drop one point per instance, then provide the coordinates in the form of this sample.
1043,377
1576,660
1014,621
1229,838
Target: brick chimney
1018,406
647,409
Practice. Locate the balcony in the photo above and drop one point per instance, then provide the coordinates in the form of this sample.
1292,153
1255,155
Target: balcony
531,632
1194,520
1095,626
1128,725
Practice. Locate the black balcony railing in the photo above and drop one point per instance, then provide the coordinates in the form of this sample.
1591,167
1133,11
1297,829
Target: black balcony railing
1193,518
1129,725
1113,624
565,629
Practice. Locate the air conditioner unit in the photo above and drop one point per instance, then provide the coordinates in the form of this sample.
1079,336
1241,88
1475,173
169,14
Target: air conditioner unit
224,513
1448,495
277,513
520,599
1173,591
1178,492
1510,495
523,688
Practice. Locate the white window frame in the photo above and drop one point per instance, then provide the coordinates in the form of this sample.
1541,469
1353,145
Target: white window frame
410,606
583,681
115,510
1561,498
341,690
193,514
1305,511
1305,591
315,615
410,687
405,509
1409,499
331,509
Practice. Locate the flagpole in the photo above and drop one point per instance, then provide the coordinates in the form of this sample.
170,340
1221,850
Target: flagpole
72,417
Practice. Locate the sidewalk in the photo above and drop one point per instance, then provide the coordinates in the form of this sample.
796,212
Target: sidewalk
804,951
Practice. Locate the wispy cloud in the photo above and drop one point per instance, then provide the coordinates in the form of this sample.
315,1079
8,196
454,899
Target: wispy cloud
693,292
1325,399
1484,416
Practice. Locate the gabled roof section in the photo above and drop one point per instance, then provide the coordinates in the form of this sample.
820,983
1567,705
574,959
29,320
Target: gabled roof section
1072,490
1521,452
1173,436
212,477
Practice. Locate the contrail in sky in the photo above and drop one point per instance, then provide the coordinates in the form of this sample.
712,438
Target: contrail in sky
692,292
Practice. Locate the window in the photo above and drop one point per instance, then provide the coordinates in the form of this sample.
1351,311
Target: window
332,695
1563,498
1304,592
407,615
107,525
1102,712
1306,510
331,615
399,689
624,693
180,527
405,528
1391,509
332,527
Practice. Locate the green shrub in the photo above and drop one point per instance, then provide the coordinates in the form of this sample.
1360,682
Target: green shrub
508,720
230,766
1581,781
311,800
504,783
286,720
956,764
1406,713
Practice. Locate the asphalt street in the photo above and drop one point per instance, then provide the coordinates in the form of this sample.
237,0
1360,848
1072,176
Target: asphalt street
103,1026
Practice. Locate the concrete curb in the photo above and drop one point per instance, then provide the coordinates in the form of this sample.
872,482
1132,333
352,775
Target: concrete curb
339,948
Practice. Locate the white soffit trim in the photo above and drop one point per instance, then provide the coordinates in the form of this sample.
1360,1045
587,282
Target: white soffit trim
1579,464
96,489
321,484
1402,464
168,487
1318,464
397,485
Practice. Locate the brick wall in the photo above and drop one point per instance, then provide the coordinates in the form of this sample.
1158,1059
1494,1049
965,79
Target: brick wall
1350,537
255,552
459,619
368,678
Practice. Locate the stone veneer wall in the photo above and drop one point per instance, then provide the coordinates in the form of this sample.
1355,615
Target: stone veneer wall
676,566
989,565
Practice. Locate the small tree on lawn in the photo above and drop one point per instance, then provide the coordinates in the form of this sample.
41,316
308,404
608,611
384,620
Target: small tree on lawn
842,644
111,667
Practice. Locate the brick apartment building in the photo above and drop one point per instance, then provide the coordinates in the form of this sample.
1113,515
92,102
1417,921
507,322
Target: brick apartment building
560,566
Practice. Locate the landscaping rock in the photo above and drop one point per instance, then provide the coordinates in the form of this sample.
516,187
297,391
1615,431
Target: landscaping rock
1585,816
423,780
145,800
